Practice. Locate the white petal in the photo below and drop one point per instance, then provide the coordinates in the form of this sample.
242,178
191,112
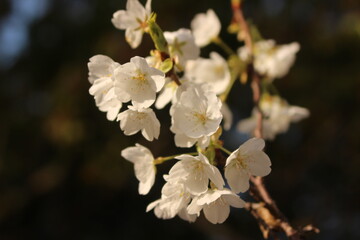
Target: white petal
101,85
237,179
184,215
135,8
137,153
133,37
253,144
247,125
298,113
227,116
177,172
196,185
215,176
203,142
205,27
101,66
151,128
209,197
234,200
113,112
181,140
194,208
165,96
126,124
122,20
152,205
148,7
159,79
259,165
144,187
216,213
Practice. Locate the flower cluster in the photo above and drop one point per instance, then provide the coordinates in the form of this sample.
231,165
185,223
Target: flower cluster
194,184
278,115
197,88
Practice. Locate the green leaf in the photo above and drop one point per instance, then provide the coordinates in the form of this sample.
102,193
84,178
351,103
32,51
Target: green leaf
166,65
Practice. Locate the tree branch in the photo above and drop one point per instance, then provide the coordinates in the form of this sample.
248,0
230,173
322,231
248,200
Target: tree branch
270,219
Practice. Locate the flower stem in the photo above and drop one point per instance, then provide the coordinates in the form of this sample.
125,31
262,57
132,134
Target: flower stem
160,160
218,41
235,69
222,149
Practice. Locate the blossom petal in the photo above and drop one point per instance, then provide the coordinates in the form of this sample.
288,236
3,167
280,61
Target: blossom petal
196,185
253,144
133,37
237,179
136,9
260,164
184,215
216,213
215,176
234,200
122,20
205,27
144,187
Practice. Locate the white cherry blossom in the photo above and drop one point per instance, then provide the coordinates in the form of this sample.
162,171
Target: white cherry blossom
278,115
195,173
174,199
109,104
101,71
216,204
249,159
271,60
205,27
144,166
135,119
214,71
181,139
139,81
101,66
196,113
182,46
133,20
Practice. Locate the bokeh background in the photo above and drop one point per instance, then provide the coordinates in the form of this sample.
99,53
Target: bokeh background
61,173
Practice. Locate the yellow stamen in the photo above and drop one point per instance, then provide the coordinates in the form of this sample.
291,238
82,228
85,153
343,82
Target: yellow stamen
201,117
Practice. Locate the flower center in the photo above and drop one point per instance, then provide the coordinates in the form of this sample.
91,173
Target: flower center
198,171
140,77
240,162
143,25
201,118
140,116
176,46
219,70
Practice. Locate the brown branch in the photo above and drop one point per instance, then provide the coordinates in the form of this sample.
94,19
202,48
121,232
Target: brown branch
172,74
238,17
270,219
255,86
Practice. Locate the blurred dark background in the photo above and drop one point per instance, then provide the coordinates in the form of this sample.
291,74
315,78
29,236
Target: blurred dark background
61,173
